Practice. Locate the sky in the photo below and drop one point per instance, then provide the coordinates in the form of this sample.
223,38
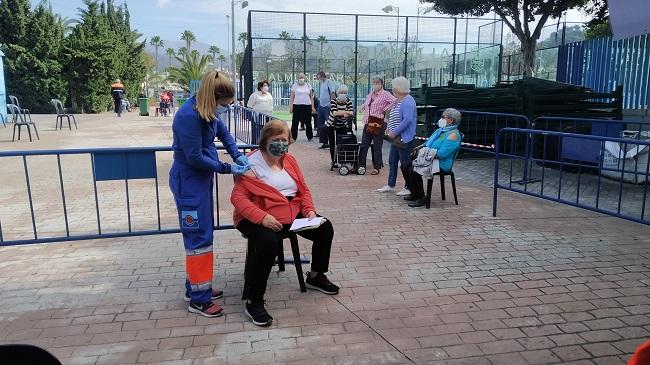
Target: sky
207,18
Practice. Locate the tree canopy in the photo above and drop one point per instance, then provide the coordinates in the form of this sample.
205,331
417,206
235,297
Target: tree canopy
48,56
518,15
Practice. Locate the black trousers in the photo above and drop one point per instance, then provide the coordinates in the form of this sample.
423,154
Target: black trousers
413,181
263,247
301,115
377,142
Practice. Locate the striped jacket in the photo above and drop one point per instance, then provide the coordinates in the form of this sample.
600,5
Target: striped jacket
338,121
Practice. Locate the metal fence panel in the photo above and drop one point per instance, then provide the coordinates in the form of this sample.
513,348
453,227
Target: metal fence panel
616,184
602,64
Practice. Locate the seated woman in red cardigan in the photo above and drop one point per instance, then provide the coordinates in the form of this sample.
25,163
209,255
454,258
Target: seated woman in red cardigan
267,200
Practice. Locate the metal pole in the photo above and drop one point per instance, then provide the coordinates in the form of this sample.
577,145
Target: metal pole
232,55
397,39
453,56
406,47
356,59
304,42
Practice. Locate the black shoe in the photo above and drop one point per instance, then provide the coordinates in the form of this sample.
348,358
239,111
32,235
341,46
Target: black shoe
335,165
258,314
302,128
418,203
324,146
321,284
410,198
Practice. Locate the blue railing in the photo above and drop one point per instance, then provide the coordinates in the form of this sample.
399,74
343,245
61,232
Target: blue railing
248,124
616,185
88,186
479,129
581,150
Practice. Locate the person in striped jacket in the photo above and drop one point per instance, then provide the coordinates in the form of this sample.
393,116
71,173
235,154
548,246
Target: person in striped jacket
341,112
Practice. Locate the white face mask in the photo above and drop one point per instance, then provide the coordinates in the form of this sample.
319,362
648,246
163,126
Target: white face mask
221,109
301,81
376,87
342,97
265,89
442,123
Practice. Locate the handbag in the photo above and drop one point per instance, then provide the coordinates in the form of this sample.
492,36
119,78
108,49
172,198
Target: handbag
375,124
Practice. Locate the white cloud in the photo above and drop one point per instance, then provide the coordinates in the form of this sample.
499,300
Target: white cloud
162,3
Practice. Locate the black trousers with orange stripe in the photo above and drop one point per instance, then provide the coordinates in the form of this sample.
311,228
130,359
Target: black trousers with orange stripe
263,246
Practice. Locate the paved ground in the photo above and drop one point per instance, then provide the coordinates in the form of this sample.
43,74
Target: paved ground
539,284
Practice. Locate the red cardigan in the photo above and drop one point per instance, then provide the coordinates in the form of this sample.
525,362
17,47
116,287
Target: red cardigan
253,199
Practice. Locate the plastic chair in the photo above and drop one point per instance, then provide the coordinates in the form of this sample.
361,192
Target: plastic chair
442,175
297,260
25,112
61,113
21,121
26,355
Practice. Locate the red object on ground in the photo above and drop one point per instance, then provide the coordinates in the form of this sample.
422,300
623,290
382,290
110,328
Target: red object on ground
641,355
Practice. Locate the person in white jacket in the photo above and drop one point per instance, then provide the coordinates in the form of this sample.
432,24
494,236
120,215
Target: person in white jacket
262,101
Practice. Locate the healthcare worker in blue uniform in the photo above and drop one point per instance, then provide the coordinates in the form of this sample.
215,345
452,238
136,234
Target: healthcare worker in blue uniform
191,180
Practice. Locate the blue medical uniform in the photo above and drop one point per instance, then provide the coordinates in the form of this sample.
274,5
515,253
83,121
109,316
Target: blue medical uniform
191,180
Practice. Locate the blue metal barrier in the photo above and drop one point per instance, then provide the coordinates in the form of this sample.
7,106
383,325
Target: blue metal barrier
572,182
480,128
105,165
585,150
248,124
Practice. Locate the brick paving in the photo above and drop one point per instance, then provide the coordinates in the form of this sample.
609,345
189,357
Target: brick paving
540,284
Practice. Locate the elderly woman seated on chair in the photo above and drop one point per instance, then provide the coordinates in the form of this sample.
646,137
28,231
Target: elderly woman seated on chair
267,200
435,155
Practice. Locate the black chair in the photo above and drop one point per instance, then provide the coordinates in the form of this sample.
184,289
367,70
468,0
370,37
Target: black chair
26,355
297,260
25,112
442,175
61,113
19,119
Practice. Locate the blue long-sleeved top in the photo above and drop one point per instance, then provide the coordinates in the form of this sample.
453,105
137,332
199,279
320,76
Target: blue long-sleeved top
194,140
408,119
446,147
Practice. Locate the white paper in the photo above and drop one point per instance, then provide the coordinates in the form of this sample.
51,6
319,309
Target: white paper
305,223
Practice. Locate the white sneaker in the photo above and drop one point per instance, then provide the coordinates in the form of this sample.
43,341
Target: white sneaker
385,189
404,192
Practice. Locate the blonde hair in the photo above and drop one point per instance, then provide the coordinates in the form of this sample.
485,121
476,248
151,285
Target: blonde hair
275,127
214,86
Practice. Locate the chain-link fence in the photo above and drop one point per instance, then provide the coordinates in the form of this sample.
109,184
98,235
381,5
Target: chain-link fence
352,48
551,38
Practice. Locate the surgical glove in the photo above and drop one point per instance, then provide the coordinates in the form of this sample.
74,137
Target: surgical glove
238,169
242,160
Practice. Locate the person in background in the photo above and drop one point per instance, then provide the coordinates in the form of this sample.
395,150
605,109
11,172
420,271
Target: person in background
267,200
445,141
377,103
314,114
191,181
326,94
117,92
262,100
401,132
301,105
164,103
341,110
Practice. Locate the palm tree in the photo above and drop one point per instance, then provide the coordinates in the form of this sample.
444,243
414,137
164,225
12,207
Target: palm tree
192,66
214,51
222,59
66,23
284,35
322,40
182,51
170,53
243,38
188,37
156,42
